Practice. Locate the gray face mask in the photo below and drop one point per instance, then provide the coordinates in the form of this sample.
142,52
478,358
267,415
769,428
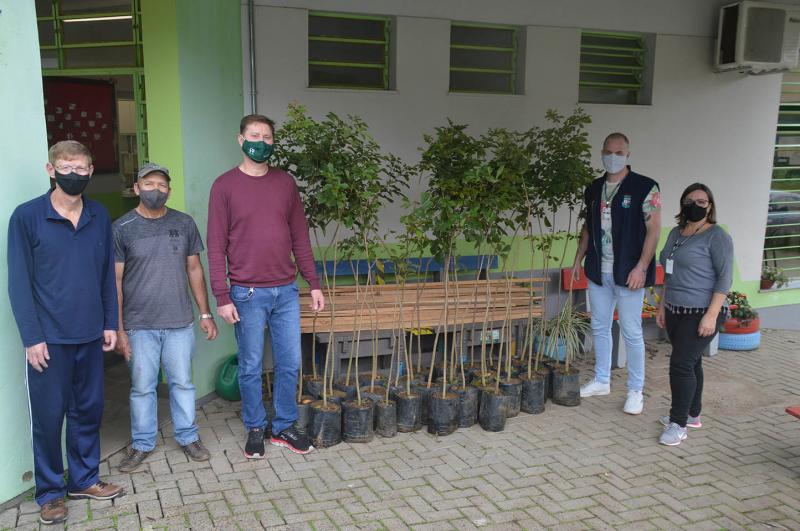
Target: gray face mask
153,199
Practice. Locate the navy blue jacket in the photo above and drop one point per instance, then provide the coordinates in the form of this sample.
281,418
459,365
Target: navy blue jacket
628,229
61,278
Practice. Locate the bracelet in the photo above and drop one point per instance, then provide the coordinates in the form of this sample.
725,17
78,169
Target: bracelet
206,316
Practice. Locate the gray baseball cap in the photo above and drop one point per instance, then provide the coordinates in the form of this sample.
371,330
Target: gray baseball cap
149,168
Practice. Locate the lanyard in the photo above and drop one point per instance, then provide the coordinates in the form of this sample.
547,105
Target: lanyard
679,243
608,199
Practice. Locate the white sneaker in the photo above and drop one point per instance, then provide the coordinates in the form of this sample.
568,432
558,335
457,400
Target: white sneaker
634,404
595,388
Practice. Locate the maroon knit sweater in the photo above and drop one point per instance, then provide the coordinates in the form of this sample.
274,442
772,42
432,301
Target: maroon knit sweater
257,224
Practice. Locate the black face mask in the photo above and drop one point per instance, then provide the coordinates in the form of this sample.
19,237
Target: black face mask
694,212
72,183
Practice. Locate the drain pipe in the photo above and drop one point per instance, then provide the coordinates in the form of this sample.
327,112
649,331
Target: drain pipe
252,50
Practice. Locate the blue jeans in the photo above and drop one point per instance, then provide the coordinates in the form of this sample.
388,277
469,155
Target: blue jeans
279,309
150,349
628,302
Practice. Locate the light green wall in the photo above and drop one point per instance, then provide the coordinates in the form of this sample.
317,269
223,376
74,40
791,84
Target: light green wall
210,67
23,154
193,76
162,91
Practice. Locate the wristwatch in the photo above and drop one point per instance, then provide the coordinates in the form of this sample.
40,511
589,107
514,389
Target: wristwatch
206,316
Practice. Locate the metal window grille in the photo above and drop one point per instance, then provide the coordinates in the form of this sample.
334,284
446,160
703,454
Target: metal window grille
612,67
483,58
115,39
782,238
348,51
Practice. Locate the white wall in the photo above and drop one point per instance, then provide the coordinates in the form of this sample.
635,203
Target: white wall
714,128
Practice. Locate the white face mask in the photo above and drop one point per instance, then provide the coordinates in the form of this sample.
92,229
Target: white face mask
614,163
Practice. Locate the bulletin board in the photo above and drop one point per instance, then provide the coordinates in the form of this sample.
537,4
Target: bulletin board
84,110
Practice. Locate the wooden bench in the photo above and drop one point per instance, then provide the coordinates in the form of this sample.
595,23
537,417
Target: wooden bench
373,314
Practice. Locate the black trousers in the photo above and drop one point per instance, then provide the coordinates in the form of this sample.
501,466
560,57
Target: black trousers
686,364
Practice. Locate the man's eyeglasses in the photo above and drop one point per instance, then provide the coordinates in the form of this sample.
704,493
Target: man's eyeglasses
702,203
80,170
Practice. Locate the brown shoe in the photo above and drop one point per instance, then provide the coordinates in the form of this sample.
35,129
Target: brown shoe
99,491
196,451
53,512
132,460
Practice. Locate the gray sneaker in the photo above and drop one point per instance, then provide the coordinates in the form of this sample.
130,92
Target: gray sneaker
691,422
672,435
132,461
196,451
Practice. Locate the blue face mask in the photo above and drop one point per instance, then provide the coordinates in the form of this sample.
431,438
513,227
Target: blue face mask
614,163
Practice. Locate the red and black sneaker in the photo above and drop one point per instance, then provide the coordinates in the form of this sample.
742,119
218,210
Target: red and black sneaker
254,449
293,440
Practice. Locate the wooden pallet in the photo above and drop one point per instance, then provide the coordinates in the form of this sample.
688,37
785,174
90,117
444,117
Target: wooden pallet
377,307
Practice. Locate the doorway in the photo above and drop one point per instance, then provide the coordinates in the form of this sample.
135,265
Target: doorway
93,79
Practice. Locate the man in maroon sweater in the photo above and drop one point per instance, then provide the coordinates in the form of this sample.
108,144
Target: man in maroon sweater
256,223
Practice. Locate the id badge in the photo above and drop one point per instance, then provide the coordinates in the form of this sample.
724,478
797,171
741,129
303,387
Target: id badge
606,212
668,266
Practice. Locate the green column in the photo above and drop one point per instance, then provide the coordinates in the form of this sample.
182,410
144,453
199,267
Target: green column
23,154
193,76
163,91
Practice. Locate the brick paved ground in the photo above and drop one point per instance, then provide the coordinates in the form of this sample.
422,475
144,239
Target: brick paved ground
569,468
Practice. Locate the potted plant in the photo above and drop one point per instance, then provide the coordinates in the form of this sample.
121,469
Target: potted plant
741,331
773,277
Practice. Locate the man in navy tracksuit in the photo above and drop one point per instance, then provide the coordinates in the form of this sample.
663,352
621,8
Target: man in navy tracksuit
63,294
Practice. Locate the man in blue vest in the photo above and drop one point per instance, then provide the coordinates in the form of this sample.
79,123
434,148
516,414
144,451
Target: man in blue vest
618,240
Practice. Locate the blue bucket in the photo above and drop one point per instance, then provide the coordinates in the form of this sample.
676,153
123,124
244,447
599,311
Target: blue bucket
560,353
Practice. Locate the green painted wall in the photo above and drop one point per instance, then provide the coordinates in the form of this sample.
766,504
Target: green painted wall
162,91
210,66
23,154
193,76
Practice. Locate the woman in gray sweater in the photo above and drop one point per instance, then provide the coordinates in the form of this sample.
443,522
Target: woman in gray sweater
698,262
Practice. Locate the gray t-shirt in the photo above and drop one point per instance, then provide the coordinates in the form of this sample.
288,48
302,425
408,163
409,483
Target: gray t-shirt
155,292
702,266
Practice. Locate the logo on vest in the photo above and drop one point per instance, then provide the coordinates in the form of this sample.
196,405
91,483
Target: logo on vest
626,201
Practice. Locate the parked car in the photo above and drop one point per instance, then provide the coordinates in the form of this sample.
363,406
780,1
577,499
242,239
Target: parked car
784,209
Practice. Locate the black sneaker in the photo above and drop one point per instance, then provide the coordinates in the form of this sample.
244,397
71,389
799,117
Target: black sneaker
254,449
132,461
293,440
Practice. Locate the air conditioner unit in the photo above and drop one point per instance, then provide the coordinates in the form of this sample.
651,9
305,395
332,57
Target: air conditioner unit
757,37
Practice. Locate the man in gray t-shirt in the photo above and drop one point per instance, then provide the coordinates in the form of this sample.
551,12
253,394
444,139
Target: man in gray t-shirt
157,264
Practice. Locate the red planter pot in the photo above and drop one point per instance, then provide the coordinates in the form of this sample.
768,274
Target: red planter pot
767,284
735,326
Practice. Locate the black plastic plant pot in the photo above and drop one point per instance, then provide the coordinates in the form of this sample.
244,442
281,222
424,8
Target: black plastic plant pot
512,388
349,389
534,391
365,379
325,429
386,418
313,386
493,411
409,412
337,397
357,423
442,413
468,398
566,387
424,393
544,372
304,413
